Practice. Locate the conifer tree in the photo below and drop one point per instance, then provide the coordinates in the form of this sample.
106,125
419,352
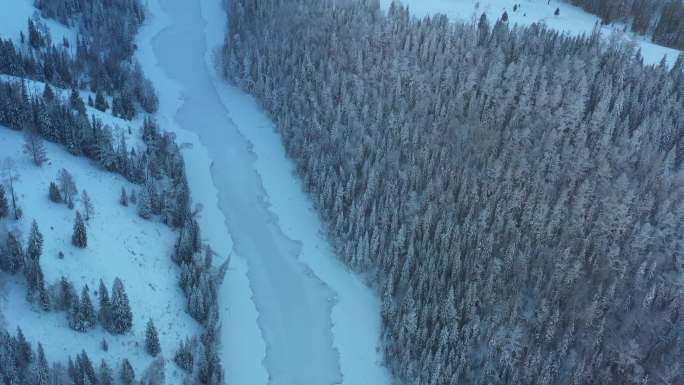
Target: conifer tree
41,369
121,318
105,306
184,356
34,248
144,204
86,310
127,373
79,238
105,375
74,313
13,258
151,339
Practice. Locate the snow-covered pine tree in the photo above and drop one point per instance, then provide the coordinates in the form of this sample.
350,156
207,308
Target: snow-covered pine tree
41,370
103,314
74,314
184,355
87,314
105,375
12,257
121,318
79,238
144,204
34,248
151,339
54,193
127,373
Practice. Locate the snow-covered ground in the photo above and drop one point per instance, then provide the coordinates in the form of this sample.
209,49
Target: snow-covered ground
14,15
317,323
120,244
571,19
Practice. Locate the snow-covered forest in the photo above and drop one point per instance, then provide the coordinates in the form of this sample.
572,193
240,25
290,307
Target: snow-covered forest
300,192
514,194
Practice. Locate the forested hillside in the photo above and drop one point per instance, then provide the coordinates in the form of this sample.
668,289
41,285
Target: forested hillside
662,20
514,194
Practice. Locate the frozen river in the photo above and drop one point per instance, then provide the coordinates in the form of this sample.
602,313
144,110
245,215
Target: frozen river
317,323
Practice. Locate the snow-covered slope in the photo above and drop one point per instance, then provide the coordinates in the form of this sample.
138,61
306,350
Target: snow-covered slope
14,15
570,19
120,244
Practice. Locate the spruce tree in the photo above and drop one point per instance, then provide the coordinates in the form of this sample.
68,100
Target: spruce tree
13,257
152,339
105,374
127,373
121,317
86,310
79,238
144,204
105,306
34,248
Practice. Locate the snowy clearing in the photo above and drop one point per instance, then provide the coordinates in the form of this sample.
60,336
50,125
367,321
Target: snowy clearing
571,19
14,19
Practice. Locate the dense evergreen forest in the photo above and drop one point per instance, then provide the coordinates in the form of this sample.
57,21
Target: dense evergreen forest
662,20
103,62
514,194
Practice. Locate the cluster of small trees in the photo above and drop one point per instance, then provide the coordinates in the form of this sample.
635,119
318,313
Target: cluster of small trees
21,364
515,193
663,20
113,313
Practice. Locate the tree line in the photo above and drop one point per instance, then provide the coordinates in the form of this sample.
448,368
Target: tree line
513,193
663,21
